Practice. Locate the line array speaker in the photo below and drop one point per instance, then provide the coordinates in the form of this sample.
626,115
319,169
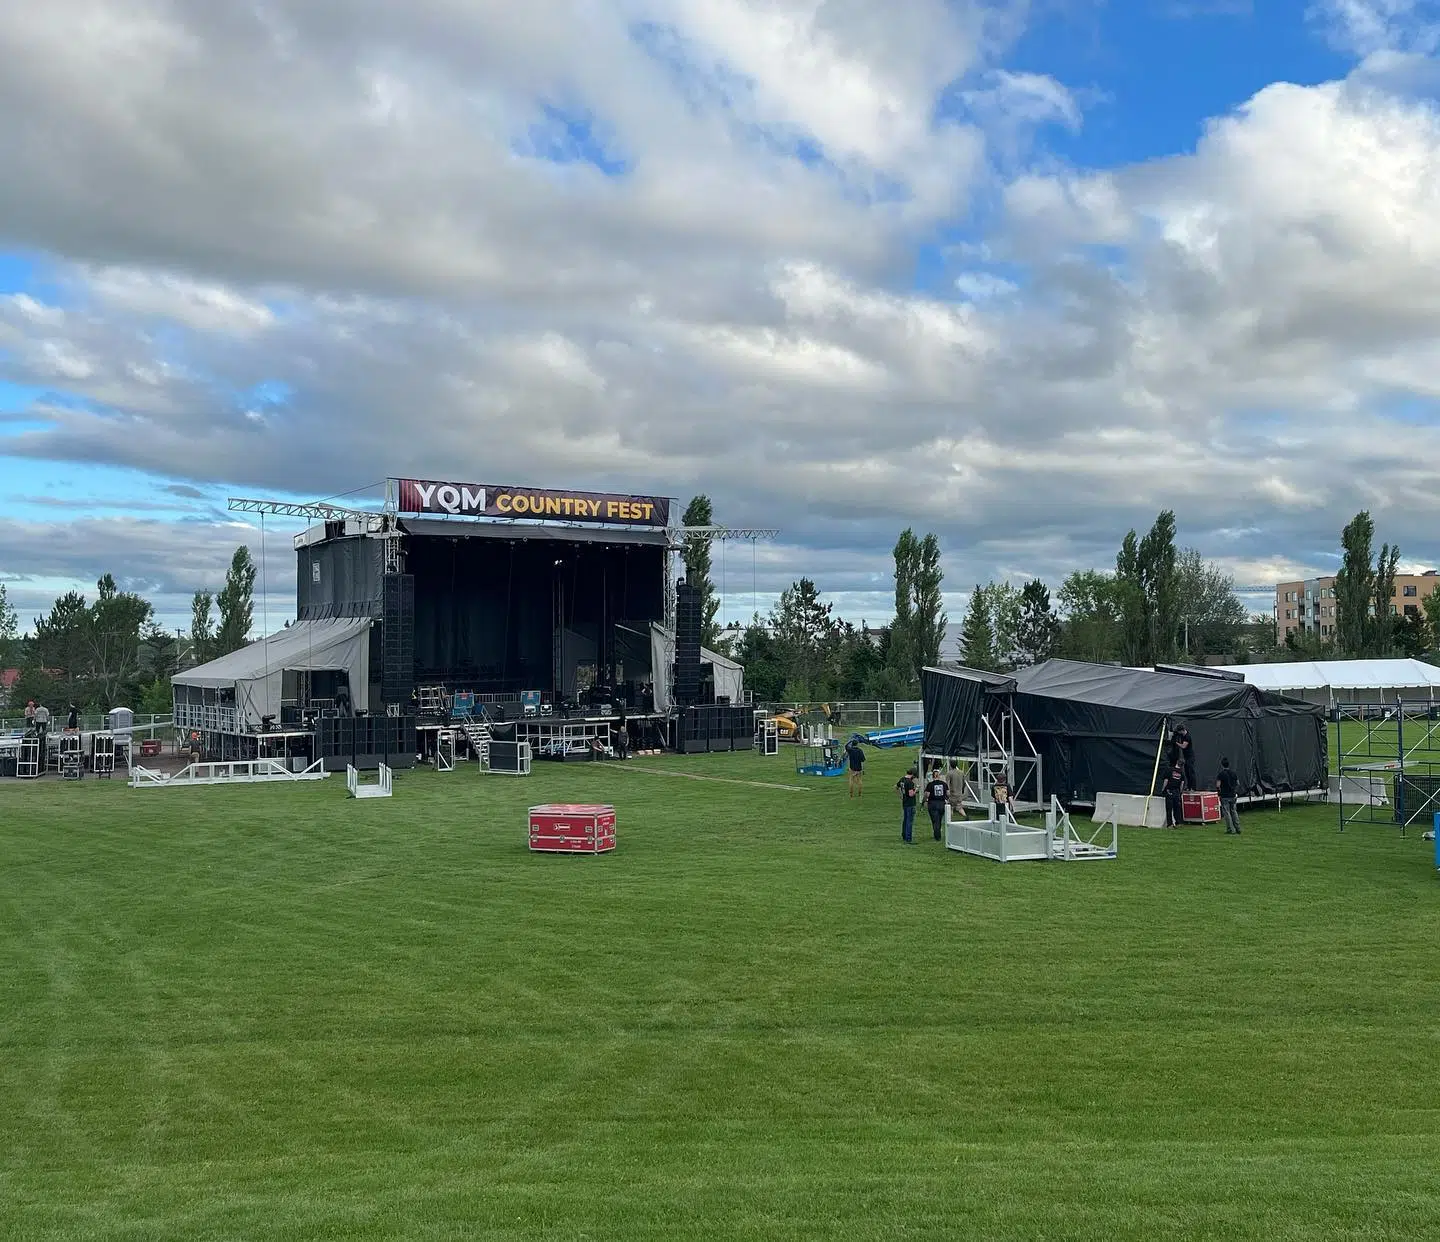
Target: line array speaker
397,638
689,622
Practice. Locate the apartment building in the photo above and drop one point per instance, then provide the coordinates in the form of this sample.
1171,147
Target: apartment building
1309,606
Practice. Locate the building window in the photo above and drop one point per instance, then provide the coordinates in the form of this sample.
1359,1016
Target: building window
1410,590
1411,610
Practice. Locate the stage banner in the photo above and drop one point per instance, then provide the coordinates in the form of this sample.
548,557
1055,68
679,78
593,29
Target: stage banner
487,500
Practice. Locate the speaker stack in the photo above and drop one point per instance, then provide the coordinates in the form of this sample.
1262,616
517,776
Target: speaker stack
689,622
397,638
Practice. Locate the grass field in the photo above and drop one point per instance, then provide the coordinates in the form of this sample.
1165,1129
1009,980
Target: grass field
268,1012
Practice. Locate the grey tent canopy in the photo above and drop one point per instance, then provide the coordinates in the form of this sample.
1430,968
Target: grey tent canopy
255,673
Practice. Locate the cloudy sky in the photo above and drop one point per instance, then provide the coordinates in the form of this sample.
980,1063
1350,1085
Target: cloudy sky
1022,275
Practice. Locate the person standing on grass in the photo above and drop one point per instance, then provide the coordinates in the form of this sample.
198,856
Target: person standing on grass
937,792
909,789
1227,785
855,761
955,781
1173,788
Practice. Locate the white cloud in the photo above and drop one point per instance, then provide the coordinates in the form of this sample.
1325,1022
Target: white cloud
399,215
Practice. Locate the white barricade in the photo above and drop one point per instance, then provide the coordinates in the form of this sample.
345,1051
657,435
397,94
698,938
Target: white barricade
1133,810
381,789
234,772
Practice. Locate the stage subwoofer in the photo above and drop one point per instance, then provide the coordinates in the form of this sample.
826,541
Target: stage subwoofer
397,638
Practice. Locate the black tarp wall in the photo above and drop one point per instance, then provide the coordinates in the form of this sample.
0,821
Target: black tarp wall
1098,728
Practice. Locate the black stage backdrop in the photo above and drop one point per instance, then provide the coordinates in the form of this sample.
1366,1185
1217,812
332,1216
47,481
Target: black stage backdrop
487,602
486,610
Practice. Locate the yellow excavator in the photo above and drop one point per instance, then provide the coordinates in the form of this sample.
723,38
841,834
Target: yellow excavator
787,722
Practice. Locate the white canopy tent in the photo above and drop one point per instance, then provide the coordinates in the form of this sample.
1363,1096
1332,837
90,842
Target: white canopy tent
1345,681
729,676
255,674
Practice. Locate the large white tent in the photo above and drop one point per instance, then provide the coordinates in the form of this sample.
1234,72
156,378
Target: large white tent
242,688
1345,681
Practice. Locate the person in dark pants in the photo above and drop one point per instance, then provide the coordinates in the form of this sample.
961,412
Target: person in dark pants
1182,754
72,721
42,731
1000,797
909,789
855,761
1173,788
1227,785
936,794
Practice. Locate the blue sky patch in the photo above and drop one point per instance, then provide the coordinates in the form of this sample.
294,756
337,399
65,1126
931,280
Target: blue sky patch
571,136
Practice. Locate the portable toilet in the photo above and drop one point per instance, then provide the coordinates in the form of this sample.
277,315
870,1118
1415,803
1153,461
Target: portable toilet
119,719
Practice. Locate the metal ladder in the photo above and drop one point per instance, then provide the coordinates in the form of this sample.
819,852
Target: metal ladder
477,736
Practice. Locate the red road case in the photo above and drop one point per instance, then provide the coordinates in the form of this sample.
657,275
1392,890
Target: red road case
566,828
1201,808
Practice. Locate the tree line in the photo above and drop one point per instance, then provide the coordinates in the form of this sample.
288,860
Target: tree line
111,652
1160,604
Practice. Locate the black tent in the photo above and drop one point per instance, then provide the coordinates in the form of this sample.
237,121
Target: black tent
1098,728
955,699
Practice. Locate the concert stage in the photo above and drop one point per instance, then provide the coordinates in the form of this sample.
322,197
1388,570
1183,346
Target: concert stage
444,605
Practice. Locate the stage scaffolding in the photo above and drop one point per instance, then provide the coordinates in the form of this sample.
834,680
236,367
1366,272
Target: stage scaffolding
1387,757
565,739
1004,746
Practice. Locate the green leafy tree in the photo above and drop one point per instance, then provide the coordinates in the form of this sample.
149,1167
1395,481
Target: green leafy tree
862,665
1094,625
1430,607
928,620
918,630
159,652
1355,586
112,642
1210,615
202,628
977,633
1382,606
758,652
9,630
237,603
1145,572
1004,607
806,634
901,659
1037,638
59,649
696,554
157,697
1411,636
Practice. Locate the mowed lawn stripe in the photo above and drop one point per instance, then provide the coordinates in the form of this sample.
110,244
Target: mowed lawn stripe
272,1011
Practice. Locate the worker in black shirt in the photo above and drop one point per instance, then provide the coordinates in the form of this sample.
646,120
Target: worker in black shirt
1227,785
909,788
936,793
1174,787
1182,753
855,761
